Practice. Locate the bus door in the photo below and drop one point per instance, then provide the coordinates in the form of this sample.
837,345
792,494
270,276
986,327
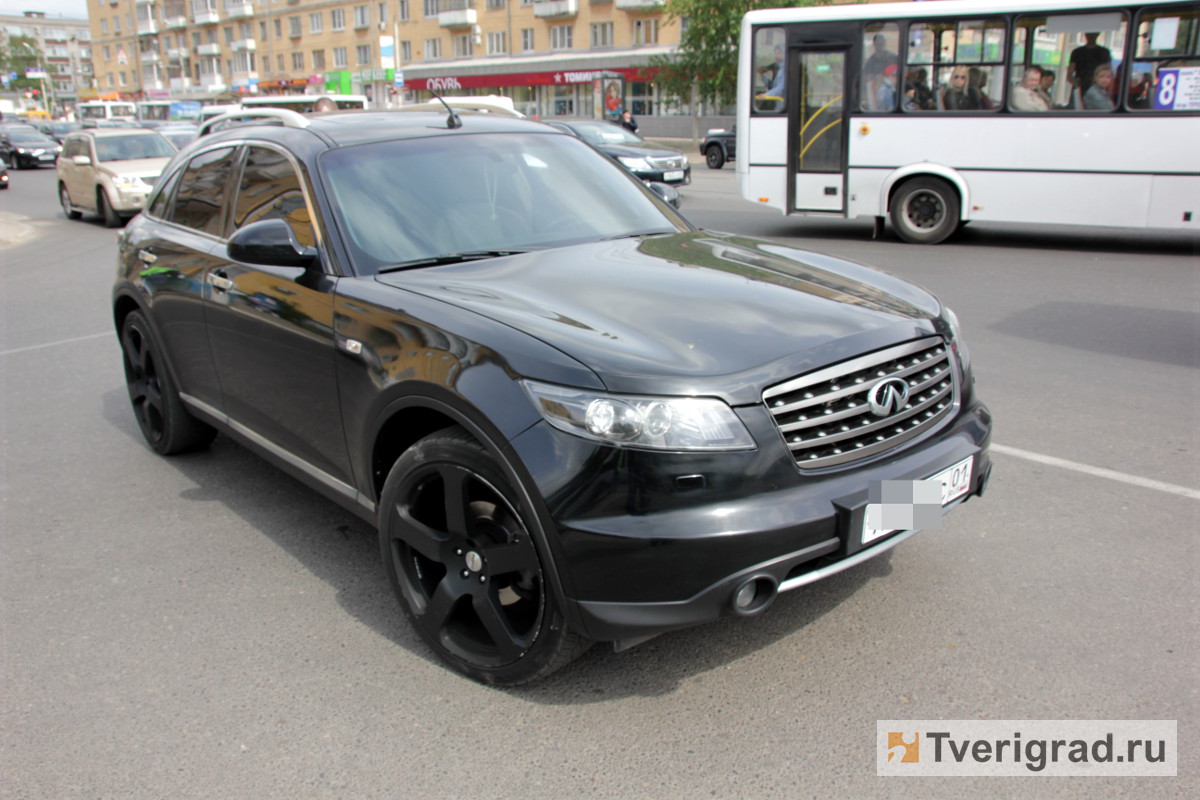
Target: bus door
818,122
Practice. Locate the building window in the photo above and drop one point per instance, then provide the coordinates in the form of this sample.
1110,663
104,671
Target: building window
497,43
362,16
560,37
228,31
645,31
107,53
433,48
279,63
405,51
462,45
602,34
495,4
383,13
278,28
293,27
262,29
431,8
298,61
339,57
526,40
402,11
337,19
362,52
318,60
316,23
104,27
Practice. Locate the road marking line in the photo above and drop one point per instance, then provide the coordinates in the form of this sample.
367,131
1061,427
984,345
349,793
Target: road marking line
53,344
1099,472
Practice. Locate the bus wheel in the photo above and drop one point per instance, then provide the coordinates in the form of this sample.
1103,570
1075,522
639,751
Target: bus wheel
925,210
714,157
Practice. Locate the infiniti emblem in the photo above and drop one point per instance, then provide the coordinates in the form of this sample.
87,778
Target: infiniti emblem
888,396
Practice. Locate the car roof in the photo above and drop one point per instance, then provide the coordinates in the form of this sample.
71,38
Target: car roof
357,127
104,133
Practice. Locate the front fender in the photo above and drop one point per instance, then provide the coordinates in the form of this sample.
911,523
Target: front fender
948,174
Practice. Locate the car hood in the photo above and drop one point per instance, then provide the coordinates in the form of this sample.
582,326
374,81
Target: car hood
643,150
688,313
136,167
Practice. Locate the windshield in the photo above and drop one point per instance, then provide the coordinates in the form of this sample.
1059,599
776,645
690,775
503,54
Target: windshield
30,136
417,200
605,133
126,148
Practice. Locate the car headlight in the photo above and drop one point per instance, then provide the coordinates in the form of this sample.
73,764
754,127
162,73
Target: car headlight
22,150
635,163
126,182
641,421
957,342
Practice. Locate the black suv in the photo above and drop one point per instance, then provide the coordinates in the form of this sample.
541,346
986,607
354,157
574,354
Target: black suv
718,146
572,415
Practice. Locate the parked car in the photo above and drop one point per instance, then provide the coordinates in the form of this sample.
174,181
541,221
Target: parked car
178,133
110,171
3,174
648,160
719,145
27,148
572,415
58,130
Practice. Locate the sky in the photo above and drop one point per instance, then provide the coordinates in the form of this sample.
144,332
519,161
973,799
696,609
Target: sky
72,9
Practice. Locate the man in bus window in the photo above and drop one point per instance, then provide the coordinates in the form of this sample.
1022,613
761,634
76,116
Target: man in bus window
775,87
880,59
1046,87
885,95
324,104
1084,61
1025,96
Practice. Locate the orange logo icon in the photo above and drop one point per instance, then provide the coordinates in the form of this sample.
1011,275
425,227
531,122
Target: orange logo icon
904,748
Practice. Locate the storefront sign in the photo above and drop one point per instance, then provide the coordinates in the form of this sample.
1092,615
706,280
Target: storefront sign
559,78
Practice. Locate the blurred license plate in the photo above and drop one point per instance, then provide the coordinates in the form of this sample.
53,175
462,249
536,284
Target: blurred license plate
673,175
955,480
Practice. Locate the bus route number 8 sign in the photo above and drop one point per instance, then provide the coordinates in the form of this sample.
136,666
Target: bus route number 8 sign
1178,89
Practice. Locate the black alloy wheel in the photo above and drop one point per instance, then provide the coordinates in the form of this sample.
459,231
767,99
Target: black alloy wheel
166,425
465,567
713,157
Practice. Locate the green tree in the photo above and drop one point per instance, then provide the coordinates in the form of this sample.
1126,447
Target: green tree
708,48
16,55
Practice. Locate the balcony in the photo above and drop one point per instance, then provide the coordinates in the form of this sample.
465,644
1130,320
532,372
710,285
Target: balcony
206,16
171,23
143,2
640,5
208,49
176,55
545,9
243,44
147,27
456,13
151,57
238,10
212,82
180,84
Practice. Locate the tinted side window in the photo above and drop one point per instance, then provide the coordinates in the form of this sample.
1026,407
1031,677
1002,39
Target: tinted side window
271,189
162,200
202,190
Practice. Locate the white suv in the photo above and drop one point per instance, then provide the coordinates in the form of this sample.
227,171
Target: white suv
110,171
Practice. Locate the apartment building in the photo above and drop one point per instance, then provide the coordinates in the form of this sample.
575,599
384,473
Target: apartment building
553,57
65,45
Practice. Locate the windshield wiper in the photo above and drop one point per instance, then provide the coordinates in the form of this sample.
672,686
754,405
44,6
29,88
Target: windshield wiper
636,234
450,258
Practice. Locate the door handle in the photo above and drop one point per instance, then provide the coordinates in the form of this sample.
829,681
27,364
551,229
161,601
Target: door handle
219,282
147,256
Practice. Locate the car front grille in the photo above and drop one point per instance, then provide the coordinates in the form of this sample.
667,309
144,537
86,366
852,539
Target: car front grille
675,162
827,417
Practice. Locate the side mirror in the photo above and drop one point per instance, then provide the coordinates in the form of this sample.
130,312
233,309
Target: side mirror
270,243
669,194
82,161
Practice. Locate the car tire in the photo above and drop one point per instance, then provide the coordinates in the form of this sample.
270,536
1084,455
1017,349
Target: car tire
64,198
166,425
714,157
464,562
104,206
925,210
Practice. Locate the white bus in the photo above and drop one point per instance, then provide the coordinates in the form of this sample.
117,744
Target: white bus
303,103
937,114
105,109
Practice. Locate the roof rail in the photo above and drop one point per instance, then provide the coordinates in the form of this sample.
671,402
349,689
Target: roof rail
287,118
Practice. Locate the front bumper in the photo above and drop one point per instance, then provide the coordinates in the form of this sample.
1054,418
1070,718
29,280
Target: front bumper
641,554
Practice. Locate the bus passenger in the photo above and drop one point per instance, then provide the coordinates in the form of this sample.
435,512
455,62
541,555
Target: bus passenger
1025,96
773,99
960,95
1085,60
324,104
873,68
885,95
1046,87
1098,97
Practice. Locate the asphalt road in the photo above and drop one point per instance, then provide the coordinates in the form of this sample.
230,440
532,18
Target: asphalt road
204,627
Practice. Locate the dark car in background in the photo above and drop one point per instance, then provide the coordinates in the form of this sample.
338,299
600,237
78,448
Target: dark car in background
28,148
3,174
571,415
58,130
718,146
648,160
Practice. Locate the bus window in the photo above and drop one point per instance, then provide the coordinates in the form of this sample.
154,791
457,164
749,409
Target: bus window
1084,53
965,61
770,59
880,72
1166,61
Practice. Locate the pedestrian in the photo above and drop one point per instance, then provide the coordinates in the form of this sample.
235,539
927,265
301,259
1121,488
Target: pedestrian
628,122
